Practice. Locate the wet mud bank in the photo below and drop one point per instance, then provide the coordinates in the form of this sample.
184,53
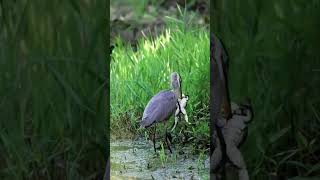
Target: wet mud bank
137,160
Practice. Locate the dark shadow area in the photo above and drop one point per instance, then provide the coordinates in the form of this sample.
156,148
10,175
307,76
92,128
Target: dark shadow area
53,93
274,59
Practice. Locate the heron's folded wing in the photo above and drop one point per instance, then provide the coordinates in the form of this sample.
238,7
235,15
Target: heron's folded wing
160,107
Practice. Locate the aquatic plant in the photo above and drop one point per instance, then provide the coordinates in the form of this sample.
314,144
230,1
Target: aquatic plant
162,155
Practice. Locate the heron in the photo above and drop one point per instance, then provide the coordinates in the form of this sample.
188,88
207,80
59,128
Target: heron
161,107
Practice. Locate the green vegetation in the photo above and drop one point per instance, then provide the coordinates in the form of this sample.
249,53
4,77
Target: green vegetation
162,155
138,75
274,59
53,77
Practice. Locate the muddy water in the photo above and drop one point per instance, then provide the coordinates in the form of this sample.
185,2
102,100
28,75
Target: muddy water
137,160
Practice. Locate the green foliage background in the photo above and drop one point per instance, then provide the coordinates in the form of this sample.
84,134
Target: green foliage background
53,81
274,56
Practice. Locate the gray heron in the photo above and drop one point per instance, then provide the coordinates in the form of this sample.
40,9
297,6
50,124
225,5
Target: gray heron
162,106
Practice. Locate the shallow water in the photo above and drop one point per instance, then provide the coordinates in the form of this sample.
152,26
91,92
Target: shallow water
137,160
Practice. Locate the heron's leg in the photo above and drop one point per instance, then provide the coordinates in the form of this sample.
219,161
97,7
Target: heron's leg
185,115
167,141
154,138
175,119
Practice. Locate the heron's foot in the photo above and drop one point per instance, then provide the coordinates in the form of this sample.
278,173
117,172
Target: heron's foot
157,148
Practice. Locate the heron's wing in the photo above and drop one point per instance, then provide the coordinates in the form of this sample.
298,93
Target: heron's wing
160,107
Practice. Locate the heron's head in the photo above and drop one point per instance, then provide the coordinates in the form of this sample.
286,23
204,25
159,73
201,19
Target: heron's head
175,81
176,84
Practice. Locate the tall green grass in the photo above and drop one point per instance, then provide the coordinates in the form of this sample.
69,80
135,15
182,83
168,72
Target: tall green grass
274,59
53,77
138,75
